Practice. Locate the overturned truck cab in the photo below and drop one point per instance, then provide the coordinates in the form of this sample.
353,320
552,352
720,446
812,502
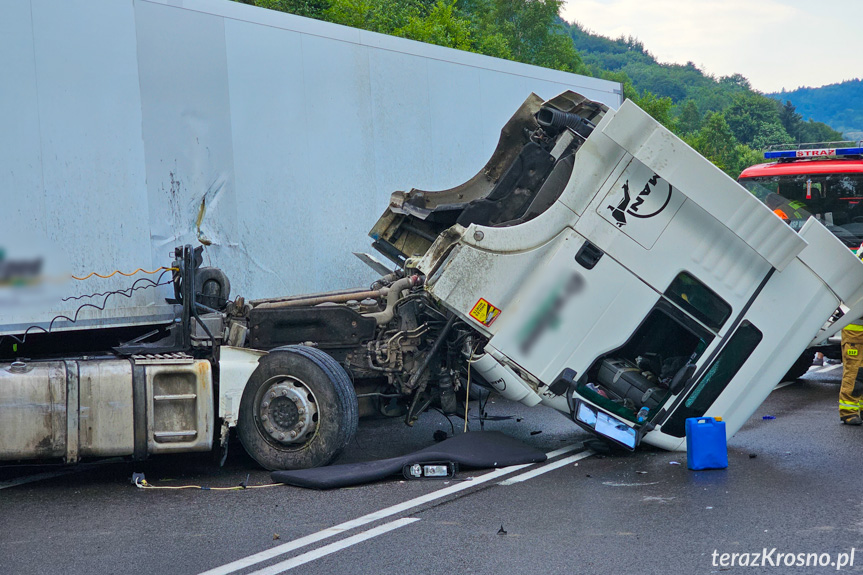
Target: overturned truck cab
596,265
609,271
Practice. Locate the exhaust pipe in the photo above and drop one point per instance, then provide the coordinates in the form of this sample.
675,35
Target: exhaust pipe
557,120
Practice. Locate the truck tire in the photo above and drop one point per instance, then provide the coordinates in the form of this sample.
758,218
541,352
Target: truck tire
801,366
299,409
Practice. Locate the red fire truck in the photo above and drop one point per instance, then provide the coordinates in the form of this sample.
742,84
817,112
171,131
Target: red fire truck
824,180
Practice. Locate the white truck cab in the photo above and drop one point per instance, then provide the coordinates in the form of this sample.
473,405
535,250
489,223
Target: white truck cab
653,281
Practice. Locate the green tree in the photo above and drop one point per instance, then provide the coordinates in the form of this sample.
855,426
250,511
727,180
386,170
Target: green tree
749,114
769,135
790,119
629,91
384,16
492,44
736,81
813,131
837,105
744,157
716,142
658,107
441,26
689,120
531,29
307,8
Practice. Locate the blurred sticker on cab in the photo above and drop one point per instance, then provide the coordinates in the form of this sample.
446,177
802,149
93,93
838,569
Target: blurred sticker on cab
484,312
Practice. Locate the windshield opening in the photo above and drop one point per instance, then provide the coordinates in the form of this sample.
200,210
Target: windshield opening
836,200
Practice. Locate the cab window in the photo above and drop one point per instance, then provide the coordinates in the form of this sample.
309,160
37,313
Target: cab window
698,300
716,378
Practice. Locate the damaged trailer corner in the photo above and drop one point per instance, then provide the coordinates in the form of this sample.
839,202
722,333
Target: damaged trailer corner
596,265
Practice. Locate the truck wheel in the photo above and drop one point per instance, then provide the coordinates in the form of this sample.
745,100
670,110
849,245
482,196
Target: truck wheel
299,409
801,366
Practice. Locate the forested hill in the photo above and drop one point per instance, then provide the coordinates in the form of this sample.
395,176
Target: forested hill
679,82
839,105
722,118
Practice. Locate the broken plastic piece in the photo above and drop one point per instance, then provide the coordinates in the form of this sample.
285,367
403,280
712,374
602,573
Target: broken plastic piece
769,417
138,480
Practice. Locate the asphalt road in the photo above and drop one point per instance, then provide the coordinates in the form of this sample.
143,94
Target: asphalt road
792,484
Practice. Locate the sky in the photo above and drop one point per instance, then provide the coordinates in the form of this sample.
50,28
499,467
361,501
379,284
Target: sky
776,44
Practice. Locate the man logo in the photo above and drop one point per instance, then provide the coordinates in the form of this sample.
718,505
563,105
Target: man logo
643,201
619,212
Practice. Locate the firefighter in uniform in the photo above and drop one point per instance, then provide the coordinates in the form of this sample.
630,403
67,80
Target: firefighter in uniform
851,391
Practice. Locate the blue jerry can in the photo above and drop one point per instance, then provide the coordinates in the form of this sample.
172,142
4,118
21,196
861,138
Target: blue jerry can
706,446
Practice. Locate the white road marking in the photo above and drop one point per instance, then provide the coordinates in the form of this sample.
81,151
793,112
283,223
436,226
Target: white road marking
32,478
256,558
562,450
828,368
546,468
334,547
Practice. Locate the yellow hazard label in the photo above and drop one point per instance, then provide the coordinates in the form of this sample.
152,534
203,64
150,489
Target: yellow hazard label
852,352
484,312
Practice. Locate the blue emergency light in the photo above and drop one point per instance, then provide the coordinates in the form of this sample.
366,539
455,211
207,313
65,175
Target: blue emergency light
813,153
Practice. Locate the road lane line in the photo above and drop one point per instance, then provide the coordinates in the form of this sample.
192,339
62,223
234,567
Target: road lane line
371,517
546,468
334,547
562,450
359,521
828,368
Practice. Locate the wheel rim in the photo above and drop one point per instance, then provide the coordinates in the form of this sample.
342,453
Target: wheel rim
287,411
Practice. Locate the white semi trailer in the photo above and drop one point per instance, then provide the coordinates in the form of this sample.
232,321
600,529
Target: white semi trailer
596,264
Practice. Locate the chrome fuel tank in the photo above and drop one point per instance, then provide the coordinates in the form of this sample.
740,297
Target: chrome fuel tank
85,408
